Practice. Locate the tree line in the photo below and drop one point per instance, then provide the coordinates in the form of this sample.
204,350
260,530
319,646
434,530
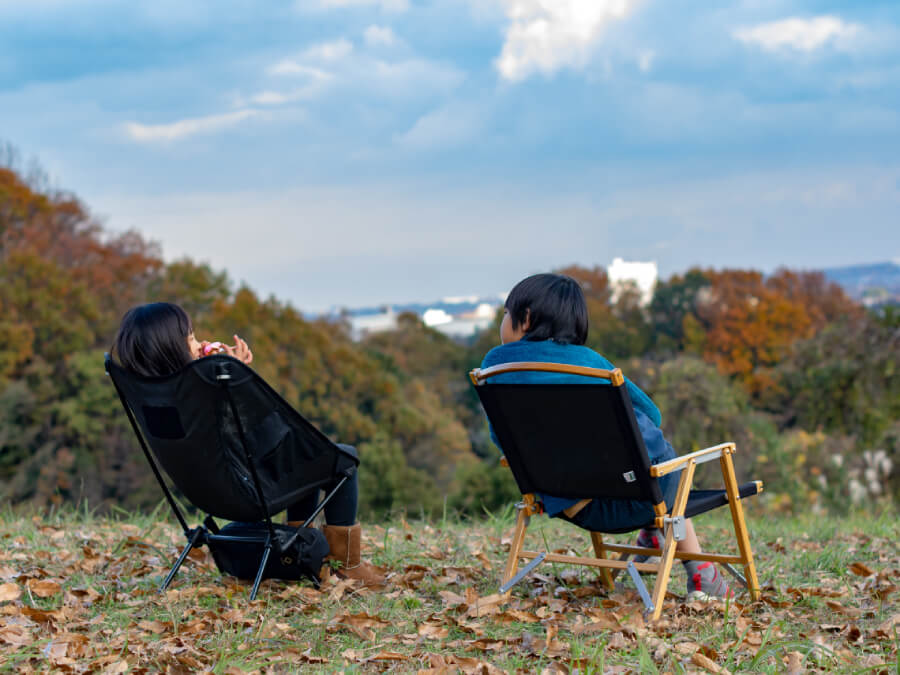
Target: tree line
803,378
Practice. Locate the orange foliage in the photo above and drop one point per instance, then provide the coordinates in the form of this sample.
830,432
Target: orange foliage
751,322
65,284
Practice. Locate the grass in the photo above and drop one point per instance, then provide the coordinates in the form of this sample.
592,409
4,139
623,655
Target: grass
78,593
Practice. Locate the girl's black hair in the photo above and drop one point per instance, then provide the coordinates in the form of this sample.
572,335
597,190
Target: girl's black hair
152,339
554,306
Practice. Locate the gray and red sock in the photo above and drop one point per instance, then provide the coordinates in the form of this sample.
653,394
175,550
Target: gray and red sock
704,582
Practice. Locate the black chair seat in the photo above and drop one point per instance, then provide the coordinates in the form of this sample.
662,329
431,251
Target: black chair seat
701,501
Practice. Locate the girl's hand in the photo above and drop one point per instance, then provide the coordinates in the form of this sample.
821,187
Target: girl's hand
240,351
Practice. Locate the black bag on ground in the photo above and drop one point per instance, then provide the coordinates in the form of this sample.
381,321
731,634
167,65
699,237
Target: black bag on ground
302,559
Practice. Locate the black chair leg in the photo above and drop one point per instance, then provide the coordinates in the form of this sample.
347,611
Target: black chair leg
259,573
195,536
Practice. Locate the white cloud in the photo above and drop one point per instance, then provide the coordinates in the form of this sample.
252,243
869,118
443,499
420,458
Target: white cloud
292,67
546,35
799,34
187,127
379,36
329,51
386,5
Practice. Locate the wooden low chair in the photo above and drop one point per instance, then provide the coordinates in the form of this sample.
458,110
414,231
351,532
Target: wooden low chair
579,439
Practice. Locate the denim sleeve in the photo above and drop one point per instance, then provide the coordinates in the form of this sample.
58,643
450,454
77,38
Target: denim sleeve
658,448
643,403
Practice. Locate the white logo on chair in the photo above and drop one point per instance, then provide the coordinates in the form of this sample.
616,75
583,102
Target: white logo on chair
629,476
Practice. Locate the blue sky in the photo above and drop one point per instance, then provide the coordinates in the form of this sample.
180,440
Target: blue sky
352,152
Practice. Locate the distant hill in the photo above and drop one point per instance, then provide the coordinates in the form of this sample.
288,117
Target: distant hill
874,284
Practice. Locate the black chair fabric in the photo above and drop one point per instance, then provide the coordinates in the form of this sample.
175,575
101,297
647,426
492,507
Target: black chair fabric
701,501
188,422
576,441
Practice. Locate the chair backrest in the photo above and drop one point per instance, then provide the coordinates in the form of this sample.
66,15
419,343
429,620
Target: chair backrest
201,424
569,440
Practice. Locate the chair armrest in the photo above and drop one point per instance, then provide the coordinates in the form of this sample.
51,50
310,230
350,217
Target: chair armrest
480,375
698,457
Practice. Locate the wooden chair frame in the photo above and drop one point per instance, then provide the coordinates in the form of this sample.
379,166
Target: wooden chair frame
667,520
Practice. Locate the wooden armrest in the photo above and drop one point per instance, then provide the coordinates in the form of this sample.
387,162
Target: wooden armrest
698,457
479,375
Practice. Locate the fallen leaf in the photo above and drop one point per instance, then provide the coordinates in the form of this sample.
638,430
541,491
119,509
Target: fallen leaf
482,606
388,656
361,624
15,635
433,630
861,569
9,592
154,627
597,624
43,616
840,609
794,663
699,659
886,626
617,641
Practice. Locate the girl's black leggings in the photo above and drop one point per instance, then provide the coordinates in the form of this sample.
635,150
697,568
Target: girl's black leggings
340,510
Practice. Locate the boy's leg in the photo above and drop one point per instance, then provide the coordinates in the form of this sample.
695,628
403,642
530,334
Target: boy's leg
703,579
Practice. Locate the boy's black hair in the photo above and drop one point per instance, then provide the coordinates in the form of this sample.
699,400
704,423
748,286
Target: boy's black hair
554,306
152,339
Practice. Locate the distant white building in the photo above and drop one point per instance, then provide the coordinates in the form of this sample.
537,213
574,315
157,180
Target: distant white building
468,323
366,324
642,274
436,317
457,322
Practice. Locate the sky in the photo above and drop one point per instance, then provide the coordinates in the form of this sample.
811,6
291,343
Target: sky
360,152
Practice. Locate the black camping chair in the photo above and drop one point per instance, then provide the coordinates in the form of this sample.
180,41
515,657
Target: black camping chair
581,441
233,447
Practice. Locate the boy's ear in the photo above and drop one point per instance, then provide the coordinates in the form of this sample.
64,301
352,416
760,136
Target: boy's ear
526,324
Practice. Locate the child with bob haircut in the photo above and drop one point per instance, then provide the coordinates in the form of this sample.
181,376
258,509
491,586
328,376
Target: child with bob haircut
157,340
545,319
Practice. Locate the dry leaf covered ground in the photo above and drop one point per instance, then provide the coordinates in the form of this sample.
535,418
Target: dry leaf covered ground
78,594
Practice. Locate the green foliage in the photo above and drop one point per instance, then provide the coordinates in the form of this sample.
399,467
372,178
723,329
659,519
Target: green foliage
673,311
388,485
843,380
482,485
196,287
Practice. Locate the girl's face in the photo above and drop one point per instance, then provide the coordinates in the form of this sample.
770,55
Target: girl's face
507,332
194,347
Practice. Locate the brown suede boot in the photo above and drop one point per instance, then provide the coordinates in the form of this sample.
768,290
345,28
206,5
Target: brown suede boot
345,543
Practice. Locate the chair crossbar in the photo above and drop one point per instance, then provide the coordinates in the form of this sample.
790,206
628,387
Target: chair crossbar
590,562
711,557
